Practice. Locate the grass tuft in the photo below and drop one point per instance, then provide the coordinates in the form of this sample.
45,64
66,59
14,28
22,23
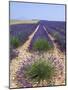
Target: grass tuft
39,71
42,45
15,42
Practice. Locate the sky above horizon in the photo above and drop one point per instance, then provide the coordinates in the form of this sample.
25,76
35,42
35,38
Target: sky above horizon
28,11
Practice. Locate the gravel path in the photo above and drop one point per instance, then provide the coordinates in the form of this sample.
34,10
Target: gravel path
59,60
17,62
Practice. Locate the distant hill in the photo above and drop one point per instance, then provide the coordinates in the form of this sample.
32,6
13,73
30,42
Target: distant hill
23,21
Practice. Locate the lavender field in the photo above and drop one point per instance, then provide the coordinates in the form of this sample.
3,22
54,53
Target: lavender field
37,54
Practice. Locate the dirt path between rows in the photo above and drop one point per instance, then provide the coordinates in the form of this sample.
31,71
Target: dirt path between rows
60,56
16,62
56,50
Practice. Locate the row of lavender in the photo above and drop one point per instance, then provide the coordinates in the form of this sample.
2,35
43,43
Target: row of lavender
22,31
19,33
40,34
58,31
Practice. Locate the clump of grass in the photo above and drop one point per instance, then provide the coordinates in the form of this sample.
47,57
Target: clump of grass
39,71
42,45
15,42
